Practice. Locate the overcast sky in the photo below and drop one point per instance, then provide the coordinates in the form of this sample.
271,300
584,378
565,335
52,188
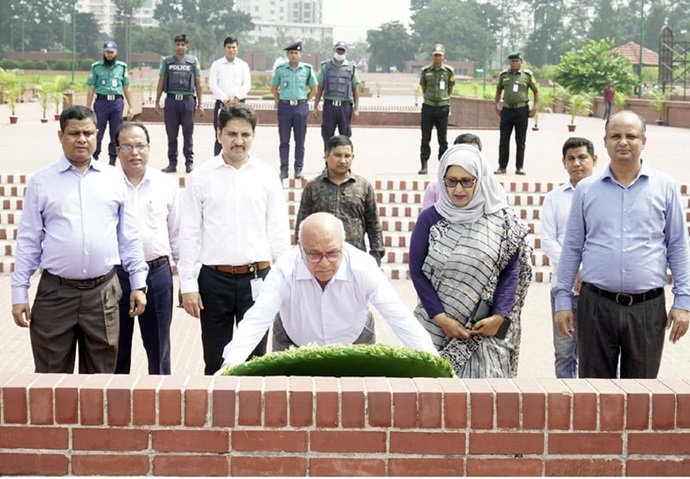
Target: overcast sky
352,18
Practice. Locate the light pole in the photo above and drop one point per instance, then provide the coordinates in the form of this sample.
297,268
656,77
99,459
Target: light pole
486,54
639,64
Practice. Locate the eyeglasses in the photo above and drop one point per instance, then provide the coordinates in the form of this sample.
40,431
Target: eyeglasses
464,182
141,147
331,256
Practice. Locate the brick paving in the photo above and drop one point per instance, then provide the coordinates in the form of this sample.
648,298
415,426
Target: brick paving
381,153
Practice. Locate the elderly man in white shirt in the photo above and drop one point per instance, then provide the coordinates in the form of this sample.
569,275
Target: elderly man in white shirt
578,160
229,80
154,199
322,288
234,221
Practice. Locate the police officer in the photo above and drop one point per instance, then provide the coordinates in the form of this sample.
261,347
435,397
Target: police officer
338,82
293,85
180,76
109,81
514,84
437,81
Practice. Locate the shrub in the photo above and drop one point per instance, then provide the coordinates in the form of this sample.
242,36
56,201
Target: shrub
63,64
9,64
86,63
41,65
27,64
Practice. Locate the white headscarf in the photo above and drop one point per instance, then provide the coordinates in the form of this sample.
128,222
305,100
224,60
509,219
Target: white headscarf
489,196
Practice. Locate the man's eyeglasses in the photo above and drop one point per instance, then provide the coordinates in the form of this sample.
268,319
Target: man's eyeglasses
141,147
331,256
464,182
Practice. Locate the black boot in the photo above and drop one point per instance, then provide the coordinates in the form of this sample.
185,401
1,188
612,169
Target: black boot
112,160
423,171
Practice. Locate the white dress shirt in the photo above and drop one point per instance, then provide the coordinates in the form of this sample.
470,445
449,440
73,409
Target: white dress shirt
335,314
554,216
230,79
231,216
155,202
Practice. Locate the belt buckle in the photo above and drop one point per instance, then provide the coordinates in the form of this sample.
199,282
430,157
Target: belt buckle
179,97
337,102
86,284
110,97
619,296
294,102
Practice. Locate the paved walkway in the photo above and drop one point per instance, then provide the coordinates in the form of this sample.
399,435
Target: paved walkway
380,153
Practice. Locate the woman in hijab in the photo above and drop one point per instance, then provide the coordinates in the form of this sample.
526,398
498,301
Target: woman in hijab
470,265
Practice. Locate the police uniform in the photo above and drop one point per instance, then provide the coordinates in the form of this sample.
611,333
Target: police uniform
435,82
108,83
515,113
180,105
293,85
338,82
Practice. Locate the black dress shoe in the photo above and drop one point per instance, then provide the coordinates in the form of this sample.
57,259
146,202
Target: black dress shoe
189,168
112,160
283,174
500,171
298,174
423,171
169,169
520,172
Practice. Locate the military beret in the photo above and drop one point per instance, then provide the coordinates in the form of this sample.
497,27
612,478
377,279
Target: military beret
438,49
515,56
294,46
110,45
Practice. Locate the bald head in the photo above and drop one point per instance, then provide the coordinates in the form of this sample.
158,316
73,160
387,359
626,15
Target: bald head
627,116
322,224
322,238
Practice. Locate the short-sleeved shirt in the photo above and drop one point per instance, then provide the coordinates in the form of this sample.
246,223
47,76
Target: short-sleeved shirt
516,85
437,81
294,83
108,81
191,62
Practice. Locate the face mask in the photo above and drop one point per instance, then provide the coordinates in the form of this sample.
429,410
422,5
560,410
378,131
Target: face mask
338,57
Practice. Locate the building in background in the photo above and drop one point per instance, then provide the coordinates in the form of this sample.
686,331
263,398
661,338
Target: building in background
285,20
105,13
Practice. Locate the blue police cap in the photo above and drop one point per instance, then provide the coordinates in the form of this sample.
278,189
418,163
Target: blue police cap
110,45
340,44
294,46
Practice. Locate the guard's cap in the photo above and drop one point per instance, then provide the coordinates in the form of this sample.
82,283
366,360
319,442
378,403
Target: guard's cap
516,55
294,46
438,49
340,44
110,45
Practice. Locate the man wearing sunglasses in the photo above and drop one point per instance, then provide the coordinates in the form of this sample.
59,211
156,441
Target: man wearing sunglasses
321,289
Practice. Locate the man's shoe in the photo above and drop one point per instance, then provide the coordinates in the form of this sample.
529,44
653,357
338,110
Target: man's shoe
500,171
423,171
283,175
189,168
520,172
169,169
298,174
112,160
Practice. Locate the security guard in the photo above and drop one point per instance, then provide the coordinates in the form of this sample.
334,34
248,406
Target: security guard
515,112
180,76
109,81
293,85
437,81
338,82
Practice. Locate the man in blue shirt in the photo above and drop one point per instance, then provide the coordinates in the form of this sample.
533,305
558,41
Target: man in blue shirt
625,226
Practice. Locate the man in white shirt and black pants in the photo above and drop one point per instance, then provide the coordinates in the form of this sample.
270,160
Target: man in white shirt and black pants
234,221
229,80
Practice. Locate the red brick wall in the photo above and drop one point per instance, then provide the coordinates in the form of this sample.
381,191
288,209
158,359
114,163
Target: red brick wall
127,425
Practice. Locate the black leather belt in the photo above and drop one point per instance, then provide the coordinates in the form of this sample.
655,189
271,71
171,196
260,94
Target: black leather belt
84,283
108,97
179,97
337,102
625,298
244,269
293,102
160,261
513,106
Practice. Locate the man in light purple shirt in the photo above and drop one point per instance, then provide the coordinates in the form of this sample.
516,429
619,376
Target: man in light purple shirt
625,226
75,227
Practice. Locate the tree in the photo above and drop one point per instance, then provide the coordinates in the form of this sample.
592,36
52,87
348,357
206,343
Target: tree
389,46
589,69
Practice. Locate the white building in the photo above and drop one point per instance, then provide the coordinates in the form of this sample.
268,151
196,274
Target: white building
105,12
286,19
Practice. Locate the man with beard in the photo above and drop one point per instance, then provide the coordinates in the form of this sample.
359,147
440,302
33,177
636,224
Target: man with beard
109,81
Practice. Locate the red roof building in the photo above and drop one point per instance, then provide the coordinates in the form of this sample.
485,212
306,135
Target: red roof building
631,50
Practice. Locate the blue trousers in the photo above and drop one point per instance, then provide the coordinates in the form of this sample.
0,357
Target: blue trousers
107,113
564,348
154,323
332,116
180,113
292,117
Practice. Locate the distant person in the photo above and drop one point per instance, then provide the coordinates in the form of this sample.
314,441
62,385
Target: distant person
322,288
609,98
625,227
230,81
76,228
437,81
293,86
579,161
109,81
432,191
154,199
180,77
338,82
514,111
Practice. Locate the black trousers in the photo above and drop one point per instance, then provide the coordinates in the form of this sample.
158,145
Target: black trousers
226,297
517,118
434,116
609,332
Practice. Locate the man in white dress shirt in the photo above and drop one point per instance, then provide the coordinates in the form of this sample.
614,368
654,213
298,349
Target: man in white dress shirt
322,289
578,160
154,199
234,221
229,80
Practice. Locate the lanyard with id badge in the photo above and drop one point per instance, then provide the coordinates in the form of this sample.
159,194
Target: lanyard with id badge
256,285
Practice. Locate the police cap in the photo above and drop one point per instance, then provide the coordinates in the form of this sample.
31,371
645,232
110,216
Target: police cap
110,45
438,49
340,44
515,56
294,46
